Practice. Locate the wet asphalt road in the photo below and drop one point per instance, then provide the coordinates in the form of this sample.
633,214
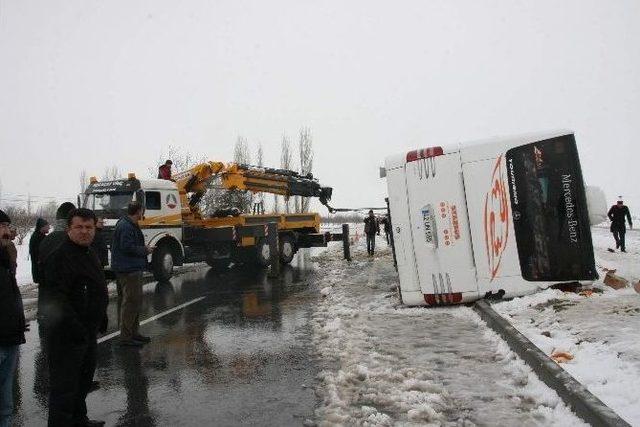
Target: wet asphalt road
235,350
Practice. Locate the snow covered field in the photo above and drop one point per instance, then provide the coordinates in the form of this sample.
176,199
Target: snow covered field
388,365
601,331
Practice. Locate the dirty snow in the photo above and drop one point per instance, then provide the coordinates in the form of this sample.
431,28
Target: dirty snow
601,331
389,365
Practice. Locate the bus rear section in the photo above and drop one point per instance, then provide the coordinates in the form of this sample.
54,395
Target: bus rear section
504,217
431,230
531,222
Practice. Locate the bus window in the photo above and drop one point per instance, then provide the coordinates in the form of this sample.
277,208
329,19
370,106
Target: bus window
549,211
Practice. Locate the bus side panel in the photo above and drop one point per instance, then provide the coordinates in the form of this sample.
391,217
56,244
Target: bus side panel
397,191
493,235
441,240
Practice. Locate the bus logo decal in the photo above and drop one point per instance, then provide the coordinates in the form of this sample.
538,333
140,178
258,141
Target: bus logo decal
496,219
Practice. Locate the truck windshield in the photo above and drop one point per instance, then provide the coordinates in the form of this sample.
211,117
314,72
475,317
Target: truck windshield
549,211
109,205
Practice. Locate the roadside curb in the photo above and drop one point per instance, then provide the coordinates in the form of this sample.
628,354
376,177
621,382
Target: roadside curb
587,406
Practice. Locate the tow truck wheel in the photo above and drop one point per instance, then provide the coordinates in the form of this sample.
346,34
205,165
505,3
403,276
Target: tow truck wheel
287,249
263,253
162,263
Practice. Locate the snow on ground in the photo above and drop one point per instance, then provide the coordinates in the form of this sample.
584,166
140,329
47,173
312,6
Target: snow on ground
23,273
601,331
389,365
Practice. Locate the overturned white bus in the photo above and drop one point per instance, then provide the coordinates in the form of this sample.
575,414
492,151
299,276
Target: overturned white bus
502,217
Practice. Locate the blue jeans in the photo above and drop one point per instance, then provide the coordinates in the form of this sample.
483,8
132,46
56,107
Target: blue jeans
8,358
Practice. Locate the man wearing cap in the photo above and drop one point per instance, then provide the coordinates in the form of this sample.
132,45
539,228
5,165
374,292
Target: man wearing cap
12,324
39,233
617,215
164,171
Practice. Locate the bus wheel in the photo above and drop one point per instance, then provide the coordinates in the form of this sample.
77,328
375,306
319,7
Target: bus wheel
219,264
263,253
287,249
162,263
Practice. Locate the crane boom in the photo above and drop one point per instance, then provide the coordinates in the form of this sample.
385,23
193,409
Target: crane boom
193,183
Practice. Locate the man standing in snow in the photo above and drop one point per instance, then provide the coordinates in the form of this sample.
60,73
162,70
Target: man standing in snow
371,227
617,215
39,233
12,324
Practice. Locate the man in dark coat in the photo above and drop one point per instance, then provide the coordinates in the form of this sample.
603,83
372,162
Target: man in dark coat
371,228
47,247
164,171
617,214
39,233
129,261
99,243
78,311
12,324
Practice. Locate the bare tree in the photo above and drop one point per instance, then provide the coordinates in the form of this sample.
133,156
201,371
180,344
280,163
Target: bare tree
285,163
259,197
83,181
305,146
21,220
237,199
181,159
111,173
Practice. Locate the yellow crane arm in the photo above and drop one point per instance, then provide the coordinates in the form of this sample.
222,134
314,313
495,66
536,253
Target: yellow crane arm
243,177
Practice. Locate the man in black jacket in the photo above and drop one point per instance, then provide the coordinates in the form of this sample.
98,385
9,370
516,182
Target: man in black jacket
12,324
47,247
371,228
39,233
78,302
99,243
617,215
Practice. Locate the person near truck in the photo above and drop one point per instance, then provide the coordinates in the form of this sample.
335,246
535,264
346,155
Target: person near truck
78,300
129,261
164,171
12,324
371,228
99,243
617,214
39,233
47,247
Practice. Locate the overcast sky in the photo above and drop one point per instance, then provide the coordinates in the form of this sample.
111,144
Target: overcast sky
90,84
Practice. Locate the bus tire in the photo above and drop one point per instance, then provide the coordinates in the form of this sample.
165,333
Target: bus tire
262,253
287,248
162,262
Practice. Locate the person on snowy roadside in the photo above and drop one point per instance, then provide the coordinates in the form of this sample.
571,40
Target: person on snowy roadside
39,233
617,215
371,228
164,171
99,244
12,324
47,247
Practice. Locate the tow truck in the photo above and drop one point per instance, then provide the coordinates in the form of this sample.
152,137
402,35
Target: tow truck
181,233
